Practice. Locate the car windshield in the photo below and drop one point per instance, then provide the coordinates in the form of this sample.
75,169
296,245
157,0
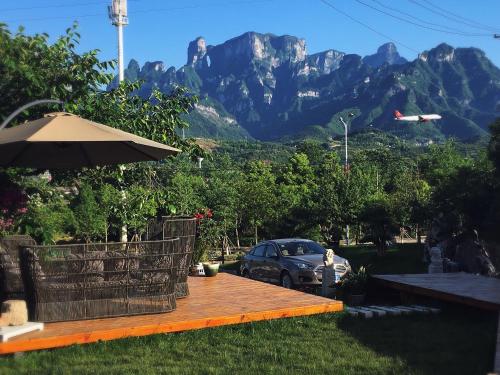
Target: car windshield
297,248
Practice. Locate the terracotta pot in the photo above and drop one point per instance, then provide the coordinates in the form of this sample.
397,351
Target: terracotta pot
211,269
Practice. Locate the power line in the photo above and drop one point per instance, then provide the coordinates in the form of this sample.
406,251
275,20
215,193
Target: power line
147,10
447,16
367,26
54,6
418,24
414,17
461,17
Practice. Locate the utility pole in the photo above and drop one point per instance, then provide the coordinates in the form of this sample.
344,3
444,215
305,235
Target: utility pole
346,167
117,12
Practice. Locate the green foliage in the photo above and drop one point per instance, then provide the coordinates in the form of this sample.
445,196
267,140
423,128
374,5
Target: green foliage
31,68
494,146
259,194
49,218
378,216
156,117
90,219
355,283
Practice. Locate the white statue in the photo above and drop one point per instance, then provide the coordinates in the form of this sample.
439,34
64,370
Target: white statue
328,277
436,258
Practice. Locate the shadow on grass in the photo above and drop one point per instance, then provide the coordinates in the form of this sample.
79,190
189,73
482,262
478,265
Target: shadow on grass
457,341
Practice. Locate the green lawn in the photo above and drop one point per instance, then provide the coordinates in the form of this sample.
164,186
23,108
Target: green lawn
448,343
457,341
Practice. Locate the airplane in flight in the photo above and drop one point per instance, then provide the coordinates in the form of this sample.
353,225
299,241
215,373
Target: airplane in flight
398,116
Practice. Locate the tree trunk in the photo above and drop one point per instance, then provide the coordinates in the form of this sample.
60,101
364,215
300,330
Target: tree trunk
237,235
381,248
256,238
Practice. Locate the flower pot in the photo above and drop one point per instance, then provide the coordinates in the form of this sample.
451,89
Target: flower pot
211,269
355,299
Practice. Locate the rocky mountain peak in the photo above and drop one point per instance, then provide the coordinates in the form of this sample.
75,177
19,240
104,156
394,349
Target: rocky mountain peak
269,86
386,53
197,50
327,61
443,52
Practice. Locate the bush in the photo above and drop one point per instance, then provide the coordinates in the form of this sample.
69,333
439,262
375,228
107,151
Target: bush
355,283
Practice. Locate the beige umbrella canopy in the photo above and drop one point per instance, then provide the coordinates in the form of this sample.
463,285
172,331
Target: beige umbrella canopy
62,140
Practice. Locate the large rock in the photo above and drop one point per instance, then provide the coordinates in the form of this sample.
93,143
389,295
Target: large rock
14,313
197,50
386,54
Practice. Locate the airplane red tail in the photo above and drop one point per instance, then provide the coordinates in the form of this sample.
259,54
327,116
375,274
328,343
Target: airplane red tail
397,114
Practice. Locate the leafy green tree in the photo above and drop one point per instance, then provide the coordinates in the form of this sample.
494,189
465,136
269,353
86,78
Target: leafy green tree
32,68
328,207
494,145
185,192
90,220
378,216
48,217
296,185
259,195
157,117
222,196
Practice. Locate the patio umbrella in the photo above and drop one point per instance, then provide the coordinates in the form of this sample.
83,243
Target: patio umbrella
62,140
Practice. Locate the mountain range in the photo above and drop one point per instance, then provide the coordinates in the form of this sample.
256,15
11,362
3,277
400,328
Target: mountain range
268,87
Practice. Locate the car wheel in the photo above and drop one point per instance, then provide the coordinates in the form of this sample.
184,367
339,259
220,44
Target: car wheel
286,281
245,273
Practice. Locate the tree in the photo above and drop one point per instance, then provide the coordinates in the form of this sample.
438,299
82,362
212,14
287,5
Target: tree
90,221
494,145
378,216
222,195
31,68
328,208
259,195
296,185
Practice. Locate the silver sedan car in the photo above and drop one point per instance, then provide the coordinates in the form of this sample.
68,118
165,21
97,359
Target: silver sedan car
290,262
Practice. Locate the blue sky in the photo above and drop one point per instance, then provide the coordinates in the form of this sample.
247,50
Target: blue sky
162,29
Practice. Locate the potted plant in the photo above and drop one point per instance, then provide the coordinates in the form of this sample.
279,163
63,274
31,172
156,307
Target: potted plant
353,287
211,268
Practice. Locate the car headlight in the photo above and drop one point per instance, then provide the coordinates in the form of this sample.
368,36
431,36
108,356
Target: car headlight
304,266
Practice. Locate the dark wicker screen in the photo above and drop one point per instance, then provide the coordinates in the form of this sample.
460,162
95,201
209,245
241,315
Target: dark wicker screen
181,227
86,281
11,283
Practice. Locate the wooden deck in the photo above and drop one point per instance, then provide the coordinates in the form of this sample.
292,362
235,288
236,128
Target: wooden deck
221,300
473,290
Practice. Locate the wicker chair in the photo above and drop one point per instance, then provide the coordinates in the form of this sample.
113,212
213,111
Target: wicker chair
11,283
184,228
87,281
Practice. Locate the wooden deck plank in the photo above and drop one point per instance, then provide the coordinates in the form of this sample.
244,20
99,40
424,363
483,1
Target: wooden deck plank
216,301
473,290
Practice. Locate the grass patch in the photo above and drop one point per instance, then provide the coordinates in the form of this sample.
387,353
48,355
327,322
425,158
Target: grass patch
449,343
400,258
